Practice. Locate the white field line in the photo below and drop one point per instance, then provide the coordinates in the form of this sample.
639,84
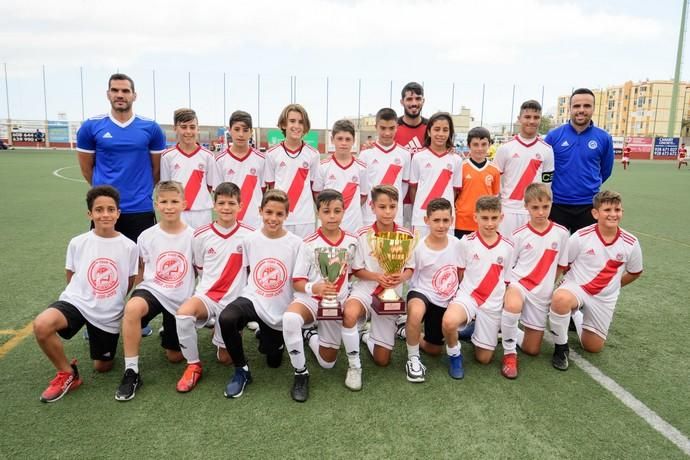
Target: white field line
57,172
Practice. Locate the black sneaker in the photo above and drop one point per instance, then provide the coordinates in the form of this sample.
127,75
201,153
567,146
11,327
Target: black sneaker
300,387
128,387
560,357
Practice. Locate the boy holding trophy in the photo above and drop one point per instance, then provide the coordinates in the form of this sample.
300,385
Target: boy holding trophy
320,284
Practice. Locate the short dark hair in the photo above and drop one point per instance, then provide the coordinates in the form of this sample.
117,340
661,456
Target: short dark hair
488,203
386,114
240,116
328,195
412,87
433,119
184,116
278,195
606,196
438,204
388,190
530,105
343,126
478,132
227,189
102,190
582,91
121,76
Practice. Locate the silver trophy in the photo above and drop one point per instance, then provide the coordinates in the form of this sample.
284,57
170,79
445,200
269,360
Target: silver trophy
332,264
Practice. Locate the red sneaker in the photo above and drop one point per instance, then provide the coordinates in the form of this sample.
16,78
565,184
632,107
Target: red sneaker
509,369
61,384
192,374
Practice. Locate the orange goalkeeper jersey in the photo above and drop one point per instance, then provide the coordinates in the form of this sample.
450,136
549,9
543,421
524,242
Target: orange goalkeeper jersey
476,182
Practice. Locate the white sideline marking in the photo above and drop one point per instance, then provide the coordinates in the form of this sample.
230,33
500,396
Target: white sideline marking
635,232
645,413
56,173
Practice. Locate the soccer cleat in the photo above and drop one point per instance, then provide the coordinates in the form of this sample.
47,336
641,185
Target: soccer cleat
365,337
128,387
146,331
61,384
300,387
308,333
455,367
191,376
559,360
416,371
509,367
401,333
235,386
465,334
353,378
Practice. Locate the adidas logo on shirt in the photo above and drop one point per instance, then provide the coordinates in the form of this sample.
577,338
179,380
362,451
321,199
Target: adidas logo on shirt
282,164
515,155
428,165
590,252
468,177
475,257
565,144
331,177
231,172
211,252
177,166
375,162
107,135
529,246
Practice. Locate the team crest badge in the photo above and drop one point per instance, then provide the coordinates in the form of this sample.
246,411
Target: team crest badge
538,156
445,280
103,278
592,144
396,161
270,275
305,165
499,260
449,167
239,249
252,171
554,245
201,167
354,179
619,257
171,267
488,180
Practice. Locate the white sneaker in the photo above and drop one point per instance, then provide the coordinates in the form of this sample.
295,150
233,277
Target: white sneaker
252,325
365,337
353,379
416,371
401,333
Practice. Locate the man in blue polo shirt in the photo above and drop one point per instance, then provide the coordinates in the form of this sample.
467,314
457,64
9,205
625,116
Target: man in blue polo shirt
583,160
123,150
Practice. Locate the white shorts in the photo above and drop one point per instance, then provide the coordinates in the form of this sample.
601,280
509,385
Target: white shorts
487,321
625,160
301,230
196,219
596,314
330,333
535,311
383,327
511,221
213,311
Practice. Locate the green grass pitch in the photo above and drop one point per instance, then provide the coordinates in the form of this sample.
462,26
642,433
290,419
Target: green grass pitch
542,414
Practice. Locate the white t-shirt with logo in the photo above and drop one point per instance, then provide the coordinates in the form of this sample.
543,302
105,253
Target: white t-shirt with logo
436,272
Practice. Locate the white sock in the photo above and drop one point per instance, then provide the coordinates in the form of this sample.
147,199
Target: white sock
412,350
314,346
577,318
559,327
453,351
292,335
366,338
350,338
186,334
520,337
509,328
132,363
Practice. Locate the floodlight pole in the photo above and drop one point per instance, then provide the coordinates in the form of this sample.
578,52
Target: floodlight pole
676,77
7,93
81,81
481,116
512,110
452,98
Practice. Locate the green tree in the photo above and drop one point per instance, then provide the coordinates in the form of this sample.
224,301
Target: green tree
545,124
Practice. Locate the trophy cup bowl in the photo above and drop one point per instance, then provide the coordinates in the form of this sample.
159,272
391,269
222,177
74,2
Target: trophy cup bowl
392,250
332,263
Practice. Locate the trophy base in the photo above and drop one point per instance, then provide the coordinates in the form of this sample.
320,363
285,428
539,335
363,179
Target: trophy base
329,312
388,307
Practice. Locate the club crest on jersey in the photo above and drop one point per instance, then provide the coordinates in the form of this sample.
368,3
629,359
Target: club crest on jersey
355,179
103,277
252,171
305,165
238,249
201,167
449,167
592,144
538,156
499,260
554,245
445,280
171,267
270,276
619,257
488,180
396,161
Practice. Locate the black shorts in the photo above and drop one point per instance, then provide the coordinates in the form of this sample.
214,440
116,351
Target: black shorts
270,340
102,344
433,317
169,339
132,224
572,216
460,233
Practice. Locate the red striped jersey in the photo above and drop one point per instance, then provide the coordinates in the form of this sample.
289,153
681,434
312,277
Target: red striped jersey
485,269
293,172
196,171
521,163
386,166
598,266
436,175
248,174
537,256
219,254
351,180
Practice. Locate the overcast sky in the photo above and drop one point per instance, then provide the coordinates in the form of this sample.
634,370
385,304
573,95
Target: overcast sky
531,44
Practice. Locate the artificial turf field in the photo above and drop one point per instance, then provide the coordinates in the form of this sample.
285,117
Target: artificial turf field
542,414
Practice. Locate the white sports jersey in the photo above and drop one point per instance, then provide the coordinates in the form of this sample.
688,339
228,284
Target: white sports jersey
350,180
598,267
536,258
271,266
196,171
219,254
168,265
293,171
248,174
436,272
364,259
101,267
307,267
436,176
386,166
521,164
485,269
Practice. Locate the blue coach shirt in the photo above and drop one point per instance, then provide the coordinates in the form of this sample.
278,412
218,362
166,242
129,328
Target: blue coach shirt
582,163
122,156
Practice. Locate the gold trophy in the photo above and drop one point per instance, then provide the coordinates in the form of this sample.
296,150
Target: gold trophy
392,250
332,264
